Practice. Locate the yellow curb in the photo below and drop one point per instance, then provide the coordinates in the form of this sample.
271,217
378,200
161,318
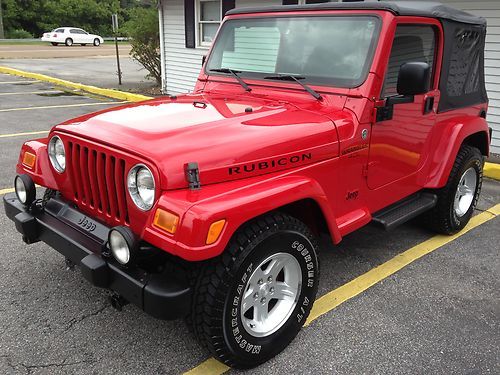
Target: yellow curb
492,170
110,93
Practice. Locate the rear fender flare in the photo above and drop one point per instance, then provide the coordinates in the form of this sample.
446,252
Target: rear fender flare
448,146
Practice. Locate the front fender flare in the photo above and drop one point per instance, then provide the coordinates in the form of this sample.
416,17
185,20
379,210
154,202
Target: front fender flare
241,205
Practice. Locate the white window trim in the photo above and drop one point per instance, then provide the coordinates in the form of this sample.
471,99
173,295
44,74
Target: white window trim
198,23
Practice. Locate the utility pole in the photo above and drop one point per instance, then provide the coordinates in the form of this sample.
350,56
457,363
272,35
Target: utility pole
114,24
2,34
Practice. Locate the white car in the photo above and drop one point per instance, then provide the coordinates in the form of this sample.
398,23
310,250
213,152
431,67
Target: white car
70,36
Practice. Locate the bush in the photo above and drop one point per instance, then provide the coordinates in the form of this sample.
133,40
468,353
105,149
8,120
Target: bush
143,30
18,34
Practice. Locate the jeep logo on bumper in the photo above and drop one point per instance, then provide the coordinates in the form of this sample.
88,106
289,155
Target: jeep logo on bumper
86,224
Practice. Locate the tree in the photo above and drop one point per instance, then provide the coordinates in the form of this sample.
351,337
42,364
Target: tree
39,16
143,29
2,34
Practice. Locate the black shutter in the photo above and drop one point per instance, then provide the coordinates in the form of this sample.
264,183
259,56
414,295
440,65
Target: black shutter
290,2
227,5
189,23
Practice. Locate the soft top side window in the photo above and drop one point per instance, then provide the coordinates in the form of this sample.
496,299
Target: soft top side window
412,43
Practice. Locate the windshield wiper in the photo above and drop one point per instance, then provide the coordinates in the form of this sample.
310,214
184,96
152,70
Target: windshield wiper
290,77
235,74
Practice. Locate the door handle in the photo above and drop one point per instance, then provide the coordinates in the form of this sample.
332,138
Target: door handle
428,104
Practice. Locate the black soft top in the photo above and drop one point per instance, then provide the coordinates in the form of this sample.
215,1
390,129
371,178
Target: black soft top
406,8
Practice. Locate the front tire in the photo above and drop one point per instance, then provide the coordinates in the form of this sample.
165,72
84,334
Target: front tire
97,42
458,198
251,302
69,42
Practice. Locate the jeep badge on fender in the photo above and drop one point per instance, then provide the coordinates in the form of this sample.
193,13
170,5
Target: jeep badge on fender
209,205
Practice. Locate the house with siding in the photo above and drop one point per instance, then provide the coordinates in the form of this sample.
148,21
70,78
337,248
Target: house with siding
187,28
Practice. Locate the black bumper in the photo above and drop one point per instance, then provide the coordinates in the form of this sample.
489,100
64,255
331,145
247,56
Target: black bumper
160,295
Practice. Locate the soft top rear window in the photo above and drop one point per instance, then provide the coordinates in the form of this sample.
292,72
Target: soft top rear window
325,50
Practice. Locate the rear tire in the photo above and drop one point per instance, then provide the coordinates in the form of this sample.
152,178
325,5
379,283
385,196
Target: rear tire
54,43
97,42
69,42
458,198
251,302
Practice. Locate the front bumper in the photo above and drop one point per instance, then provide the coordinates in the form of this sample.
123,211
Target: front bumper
163,296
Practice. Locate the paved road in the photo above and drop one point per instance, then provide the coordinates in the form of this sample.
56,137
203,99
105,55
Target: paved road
45,50
439,315
95,71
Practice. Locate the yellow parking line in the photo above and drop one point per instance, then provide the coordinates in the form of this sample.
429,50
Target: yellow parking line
210,366
347,291
20,134
353,288
12,82
59,106
6,191
30,92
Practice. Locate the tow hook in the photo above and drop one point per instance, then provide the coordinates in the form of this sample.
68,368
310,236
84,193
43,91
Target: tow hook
118,301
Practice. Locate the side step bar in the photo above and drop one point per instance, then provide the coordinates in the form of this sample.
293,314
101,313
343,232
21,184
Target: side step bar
404,210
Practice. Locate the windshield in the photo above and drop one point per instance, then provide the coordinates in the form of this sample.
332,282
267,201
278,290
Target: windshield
325,50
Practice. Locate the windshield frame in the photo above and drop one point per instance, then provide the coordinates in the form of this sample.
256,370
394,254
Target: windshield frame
321,82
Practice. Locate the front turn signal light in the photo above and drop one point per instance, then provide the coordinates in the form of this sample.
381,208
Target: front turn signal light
166,220
29,159
214,231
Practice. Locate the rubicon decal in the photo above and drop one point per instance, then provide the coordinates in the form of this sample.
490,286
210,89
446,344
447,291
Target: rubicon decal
269,164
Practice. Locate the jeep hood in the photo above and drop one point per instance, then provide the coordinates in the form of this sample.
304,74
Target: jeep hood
229,139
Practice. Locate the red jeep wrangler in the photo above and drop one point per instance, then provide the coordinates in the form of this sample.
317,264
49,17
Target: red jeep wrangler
304,120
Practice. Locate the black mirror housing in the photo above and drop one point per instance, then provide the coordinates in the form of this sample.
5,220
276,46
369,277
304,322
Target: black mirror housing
203,59
414,78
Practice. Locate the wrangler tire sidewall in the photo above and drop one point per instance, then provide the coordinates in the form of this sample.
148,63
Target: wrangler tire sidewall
459,222
247,348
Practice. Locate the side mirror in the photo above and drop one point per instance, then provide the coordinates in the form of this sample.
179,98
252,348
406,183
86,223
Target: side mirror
203,59
414,78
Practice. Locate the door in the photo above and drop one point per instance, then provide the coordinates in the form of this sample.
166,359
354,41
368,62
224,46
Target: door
87,37
78,36
397,144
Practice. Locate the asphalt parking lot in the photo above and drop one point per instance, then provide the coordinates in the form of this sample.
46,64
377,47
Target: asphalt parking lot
438,315
88,65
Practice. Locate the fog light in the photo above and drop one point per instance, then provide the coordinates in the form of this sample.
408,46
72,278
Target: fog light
25,189
122,244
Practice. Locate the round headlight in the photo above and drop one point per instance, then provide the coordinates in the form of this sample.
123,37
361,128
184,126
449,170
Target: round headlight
141,186
119,247
57,154
122,244
25,189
